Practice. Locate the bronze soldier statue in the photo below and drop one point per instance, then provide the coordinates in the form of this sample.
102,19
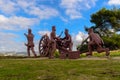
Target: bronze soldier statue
30,44
96,41
67,40
53,42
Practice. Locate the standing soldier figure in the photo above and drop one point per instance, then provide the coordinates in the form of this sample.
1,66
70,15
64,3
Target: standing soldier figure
53,39
30,44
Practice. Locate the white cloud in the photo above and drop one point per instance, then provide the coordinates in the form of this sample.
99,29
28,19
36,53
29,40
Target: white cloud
44,32
8,43
73,14
80,36
7,6
77,39
16,23
31,8
11,8
43,12
11,19
64,19
74,7
114,2
3,36
24,4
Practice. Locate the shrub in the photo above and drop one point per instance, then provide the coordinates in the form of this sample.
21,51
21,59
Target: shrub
56,54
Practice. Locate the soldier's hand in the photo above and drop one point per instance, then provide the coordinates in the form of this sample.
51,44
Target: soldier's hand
25,44
25,34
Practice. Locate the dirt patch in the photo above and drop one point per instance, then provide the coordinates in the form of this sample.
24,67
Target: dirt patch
83,58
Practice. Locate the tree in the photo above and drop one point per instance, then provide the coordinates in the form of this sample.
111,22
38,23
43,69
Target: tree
106,24
106,21
112,42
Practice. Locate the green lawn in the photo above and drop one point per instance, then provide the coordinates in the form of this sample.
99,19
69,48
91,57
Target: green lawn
56,69
114,53
23,68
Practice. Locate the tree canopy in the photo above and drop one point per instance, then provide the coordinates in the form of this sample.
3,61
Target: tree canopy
106,21
106,24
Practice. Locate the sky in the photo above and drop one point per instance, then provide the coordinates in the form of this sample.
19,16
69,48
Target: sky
16,16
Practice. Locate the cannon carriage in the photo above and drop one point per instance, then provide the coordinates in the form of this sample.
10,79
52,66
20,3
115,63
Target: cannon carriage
45,48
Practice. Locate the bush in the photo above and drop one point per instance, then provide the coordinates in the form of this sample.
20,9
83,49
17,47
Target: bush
83,48
113,42
56,54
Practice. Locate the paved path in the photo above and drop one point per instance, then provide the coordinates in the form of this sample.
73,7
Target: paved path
83,58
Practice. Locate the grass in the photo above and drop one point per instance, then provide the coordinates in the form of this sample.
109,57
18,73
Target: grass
27,69
23,68
112,54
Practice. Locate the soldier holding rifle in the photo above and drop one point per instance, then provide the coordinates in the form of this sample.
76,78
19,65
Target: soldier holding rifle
95,41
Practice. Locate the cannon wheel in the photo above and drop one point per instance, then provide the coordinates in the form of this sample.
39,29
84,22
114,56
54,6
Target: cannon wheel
44,46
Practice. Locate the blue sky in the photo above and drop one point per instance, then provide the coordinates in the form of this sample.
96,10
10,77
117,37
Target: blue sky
16,16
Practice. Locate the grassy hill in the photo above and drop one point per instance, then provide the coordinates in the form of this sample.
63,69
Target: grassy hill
45,69
23,68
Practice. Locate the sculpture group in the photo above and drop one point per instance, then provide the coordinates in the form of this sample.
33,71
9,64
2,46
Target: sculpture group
48,46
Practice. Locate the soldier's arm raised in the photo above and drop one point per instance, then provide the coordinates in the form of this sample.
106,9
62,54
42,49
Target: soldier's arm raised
25,34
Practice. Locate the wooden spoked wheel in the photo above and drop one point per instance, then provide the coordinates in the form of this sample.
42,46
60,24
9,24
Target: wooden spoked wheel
44,46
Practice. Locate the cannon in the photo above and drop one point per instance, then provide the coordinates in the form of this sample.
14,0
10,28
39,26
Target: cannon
45,48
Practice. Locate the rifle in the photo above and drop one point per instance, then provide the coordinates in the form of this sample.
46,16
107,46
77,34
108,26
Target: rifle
83,42
60,34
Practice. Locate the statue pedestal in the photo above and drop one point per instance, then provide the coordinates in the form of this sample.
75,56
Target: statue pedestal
74,55
70,55
63,55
